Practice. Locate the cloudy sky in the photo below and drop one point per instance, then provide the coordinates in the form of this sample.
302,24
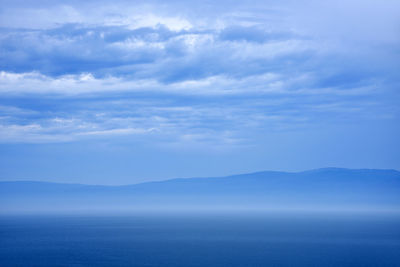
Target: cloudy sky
119,92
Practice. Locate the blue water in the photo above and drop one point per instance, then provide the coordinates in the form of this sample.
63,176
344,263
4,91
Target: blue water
200,240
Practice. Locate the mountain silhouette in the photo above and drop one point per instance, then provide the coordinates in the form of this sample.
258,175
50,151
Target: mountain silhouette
327,188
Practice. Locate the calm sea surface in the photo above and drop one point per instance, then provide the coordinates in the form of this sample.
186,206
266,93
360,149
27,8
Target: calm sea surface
200,240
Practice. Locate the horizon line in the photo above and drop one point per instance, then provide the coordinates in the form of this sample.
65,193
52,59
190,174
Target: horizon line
192,177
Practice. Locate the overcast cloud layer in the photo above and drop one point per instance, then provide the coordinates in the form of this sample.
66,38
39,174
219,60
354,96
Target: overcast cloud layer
259,82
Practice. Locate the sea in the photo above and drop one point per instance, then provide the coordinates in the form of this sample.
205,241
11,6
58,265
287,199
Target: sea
200,239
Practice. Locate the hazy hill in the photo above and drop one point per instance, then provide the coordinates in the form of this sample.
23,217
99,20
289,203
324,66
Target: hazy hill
329,188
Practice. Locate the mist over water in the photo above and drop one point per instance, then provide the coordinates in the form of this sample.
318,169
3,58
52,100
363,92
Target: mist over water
326,217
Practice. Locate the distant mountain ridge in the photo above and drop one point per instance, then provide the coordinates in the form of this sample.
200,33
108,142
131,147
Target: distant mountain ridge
320,188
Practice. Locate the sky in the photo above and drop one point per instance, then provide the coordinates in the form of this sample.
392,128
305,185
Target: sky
123,92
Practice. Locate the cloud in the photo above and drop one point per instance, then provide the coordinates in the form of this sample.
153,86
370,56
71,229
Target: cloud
264,84
158,52
216,73
140,42
176,120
